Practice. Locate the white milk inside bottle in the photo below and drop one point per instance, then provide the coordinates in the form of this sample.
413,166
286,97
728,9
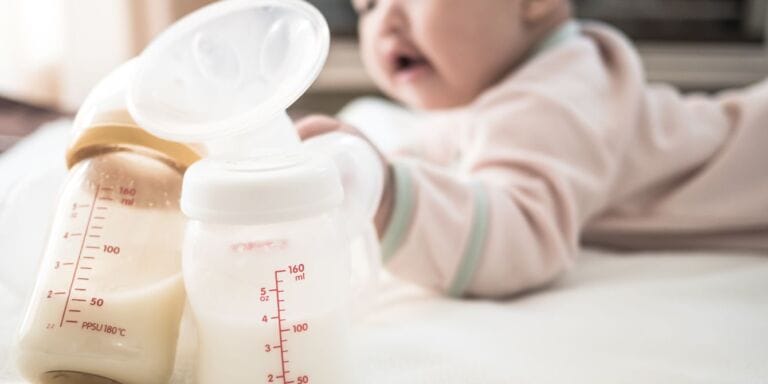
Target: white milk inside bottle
270,300
109,295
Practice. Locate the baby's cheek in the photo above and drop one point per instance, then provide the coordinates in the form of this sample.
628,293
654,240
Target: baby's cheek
371,61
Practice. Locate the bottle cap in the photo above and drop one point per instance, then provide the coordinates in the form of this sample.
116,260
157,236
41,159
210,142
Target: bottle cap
261,189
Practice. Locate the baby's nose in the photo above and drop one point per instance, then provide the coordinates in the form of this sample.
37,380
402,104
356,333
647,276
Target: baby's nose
394,16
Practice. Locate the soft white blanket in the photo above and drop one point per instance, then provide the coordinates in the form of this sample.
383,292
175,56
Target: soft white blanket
652,317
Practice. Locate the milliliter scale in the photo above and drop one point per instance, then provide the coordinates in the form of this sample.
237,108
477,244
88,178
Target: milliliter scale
79,301
284,328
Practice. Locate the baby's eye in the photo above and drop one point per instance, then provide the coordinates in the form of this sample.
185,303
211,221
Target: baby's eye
362,7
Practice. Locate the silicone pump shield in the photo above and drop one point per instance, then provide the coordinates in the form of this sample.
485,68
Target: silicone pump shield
227,69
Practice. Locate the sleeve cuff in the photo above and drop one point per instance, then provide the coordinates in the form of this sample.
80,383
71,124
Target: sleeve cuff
402,212
475,243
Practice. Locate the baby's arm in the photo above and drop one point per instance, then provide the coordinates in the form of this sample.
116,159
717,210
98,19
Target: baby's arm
532,174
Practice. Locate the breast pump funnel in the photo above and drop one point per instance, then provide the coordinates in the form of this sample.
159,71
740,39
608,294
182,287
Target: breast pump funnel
226,74
223,77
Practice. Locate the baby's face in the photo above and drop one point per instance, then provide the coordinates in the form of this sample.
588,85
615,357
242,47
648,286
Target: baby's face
436,54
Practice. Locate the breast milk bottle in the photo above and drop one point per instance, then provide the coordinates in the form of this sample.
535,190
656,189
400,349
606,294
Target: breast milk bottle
267,277
109,295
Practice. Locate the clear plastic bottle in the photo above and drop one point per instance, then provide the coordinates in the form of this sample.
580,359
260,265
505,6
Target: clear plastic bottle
109,295
268,278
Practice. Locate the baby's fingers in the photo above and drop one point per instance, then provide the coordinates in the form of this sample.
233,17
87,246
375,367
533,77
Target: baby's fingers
315,125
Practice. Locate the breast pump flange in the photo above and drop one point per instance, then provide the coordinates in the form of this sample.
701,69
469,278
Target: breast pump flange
267,247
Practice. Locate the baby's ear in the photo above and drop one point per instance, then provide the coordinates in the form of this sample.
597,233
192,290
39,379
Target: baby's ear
536,11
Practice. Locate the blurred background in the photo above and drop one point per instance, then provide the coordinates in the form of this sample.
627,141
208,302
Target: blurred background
53,51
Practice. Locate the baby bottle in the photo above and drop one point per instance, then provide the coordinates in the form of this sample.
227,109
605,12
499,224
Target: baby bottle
266,268
109,294
266,257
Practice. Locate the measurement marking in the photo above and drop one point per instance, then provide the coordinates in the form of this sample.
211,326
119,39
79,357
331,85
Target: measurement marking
96,227
69,263
86,268
74,310
280,329
75,234
80,289
82,244
95,236
105,198
59,293
83,300
83,205
99,217
88,257
83,278
72,321
101,208
93,247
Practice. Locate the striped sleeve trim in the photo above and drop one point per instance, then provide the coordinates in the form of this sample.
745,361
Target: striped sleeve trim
475,244
399,222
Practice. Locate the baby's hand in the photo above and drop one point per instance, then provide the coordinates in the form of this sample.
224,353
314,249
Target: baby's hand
316,125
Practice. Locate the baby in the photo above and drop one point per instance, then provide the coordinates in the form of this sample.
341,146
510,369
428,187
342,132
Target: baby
550,137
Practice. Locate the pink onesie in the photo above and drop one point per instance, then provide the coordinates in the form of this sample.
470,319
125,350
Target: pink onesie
575,147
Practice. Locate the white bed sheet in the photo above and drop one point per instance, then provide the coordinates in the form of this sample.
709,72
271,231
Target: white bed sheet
649,317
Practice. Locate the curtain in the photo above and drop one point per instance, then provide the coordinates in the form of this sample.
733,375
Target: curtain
53,51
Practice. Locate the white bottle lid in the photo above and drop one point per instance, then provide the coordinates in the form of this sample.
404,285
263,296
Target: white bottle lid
261,189
228,68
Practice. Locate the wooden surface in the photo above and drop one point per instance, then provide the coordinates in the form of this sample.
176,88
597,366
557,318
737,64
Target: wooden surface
18,120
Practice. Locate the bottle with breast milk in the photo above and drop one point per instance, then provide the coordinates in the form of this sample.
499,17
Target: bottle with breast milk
266,257
266,266
109,295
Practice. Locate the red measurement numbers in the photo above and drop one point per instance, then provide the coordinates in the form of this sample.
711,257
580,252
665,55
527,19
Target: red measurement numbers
127,195
77,304
297,275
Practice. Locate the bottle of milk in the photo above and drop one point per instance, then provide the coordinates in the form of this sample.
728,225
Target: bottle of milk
266,267
109,295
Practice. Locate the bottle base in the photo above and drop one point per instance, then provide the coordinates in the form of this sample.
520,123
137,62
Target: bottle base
73,377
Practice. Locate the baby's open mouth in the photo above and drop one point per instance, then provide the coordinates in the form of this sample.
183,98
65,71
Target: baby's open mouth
408,62
407,66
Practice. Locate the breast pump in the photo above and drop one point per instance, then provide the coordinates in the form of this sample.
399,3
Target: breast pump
266,255
271,222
